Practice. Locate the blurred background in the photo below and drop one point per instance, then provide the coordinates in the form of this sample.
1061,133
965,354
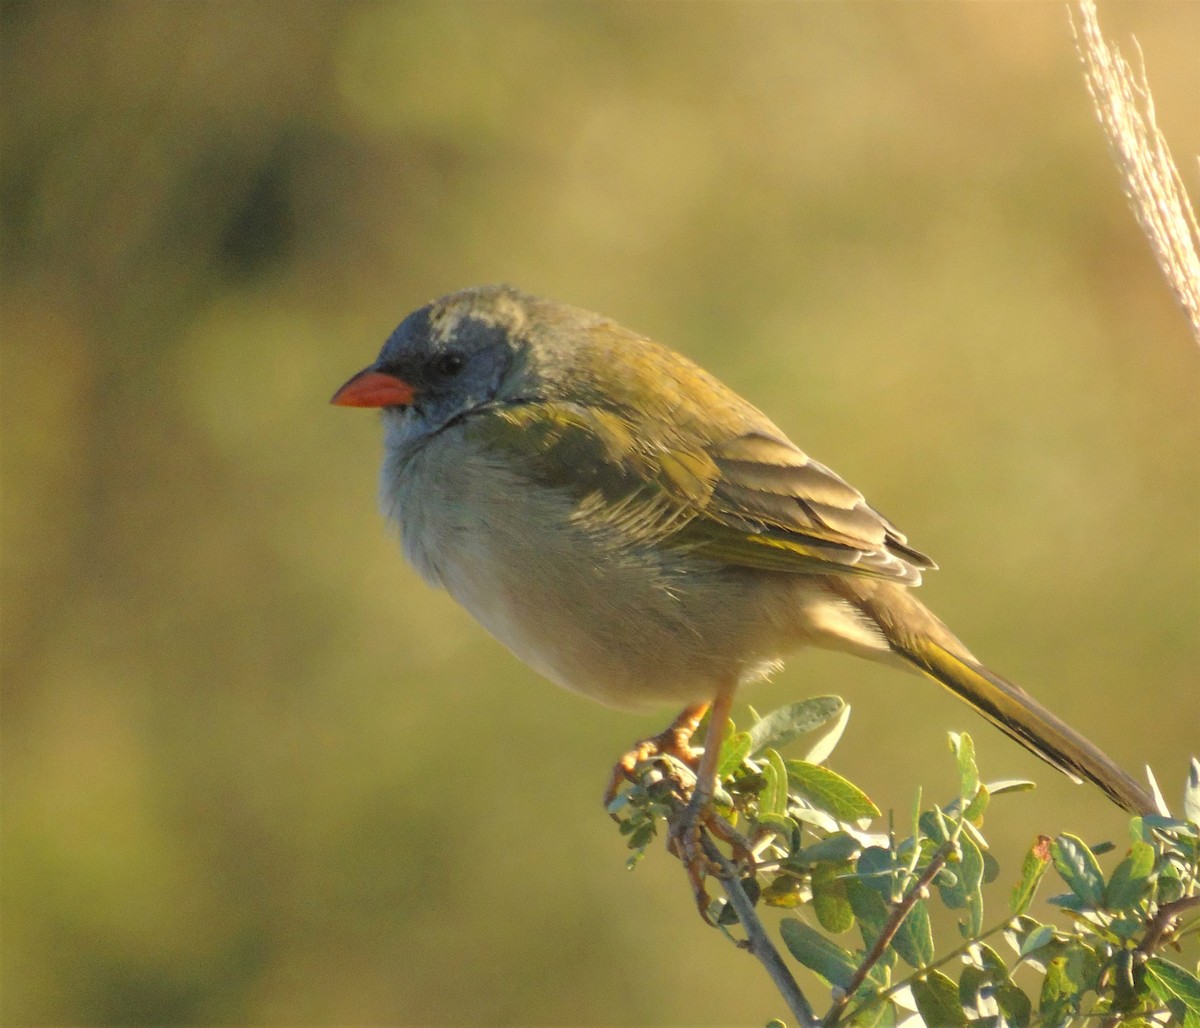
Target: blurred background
253,770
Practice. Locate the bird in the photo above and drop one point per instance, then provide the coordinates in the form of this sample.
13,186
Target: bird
635,531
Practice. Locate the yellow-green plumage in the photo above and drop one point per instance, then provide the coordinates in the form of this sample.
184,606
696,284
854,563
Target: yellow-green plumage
636,531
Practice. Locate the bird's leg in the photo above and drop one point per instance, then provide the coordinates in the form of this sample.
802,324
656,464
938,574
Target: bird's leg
685,841
706,773
674,741
686,826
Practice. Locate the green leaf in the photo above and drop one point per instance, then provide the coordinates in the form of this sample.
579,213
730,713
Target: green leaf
1079,869
935,825
915,826
1068,977
734,751
781,726
876,867
989,982
914,939
1006,785
774,797
937,1001
829,899
978,805
1170,886
972,982
1139,831
1041,936
1130,881
979,989
871,911
642,836
1068,901
824,740
1017,930
969,829
1122,980
991,868
1126,927
829,791
1032,869
869,907
972,859
1014,1005
1191,793
782,825
1170,981
995,964
1171,824
1057,992
784,891
817,953
963,747
965,892
727,916
837,847
881,1015
818,819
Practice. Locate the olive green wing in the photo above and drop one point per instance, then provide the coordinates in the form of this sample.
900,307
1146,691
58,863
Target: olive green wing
778,495
751,501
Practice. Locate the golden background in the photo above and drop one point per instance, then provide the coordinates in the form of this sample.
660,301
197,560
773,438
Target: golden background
254,771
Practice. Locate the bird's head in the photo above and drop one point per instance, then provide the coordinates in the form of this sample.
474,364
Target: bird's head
452,356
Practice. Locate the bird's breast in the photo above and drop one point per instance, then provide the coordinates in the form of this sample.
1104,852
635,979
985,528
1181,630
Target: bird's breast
594,610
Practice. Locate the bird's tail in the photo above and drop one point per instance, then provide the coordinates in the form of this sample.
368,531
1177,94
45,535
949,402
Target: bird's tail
915,634
1018,714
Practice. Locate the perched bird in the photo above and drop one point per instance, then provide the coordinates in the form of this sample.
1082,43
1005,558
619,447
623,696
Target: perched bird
634,530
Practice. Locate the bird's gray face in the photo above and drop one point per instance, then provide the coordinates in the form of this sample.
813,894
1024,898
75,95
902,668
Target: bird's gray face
444,360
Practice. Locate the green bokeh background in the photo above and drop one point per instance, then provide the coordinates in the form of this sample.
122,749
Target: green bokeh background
256,772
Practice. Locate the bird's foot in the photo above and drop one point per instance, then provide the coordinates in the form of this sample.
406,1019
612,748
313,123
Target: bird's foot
673,742
683,781
687,841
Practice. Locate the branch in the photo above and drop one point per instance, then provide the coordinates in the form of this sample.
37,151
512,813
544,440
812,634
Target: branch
1152,183
936,965
1164,922
890,928
757,940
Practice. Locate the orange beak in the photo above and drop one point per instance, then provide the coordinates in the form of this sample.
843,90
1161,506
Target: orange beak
371,388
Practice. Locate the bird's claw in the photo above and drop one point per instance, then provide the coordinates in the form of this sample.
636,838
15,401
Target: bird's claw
687,842
693,823
674,743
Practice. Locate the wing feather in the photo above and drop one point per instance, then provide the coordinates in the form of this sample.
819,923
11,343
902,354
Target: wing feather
753,500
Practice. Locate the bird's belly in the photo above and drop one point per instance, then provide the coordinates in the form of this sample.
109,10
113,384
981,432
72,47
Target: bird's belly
628,625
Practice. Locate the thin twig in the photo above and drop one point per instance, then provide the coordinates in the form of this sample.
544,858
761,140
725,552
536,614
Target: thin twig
890,928
1159,929
902,983
757,940
1164,923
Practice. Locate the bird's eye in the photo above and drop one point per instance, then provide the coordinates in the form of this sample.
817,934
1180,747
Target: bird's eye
449,364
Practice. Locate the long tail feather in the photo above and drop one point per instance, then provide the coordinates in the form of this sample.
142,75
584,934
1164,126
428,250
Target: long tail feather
1019,715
